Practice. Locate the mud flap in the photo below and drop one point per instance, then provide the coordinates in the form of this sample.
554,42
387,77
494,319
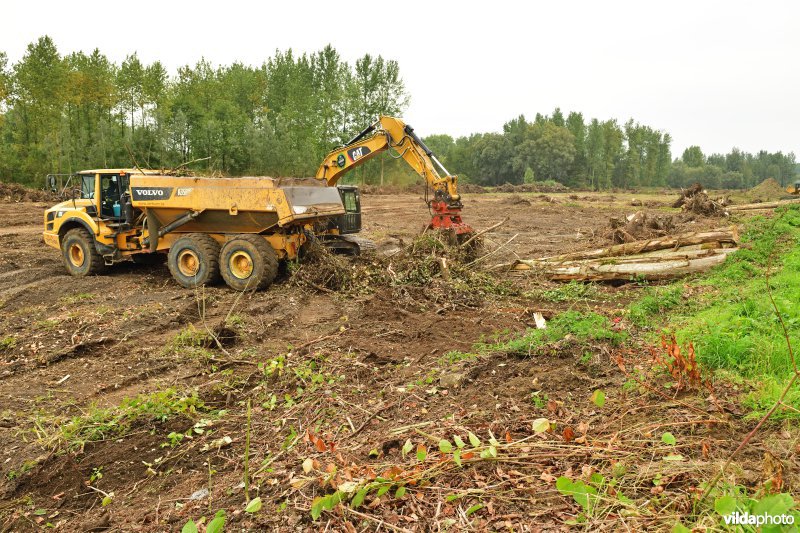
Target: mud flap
152,230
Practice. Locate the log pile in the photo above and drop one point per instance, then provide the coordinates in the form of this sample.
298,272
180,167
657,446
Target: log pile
652,259
763,205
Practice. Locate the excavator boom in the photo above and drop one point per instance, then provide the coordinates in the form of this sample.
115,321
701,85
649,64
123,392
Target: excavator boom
392,133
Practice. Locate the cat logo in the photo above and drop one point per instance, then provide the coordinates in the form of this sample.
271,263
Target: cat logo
357,153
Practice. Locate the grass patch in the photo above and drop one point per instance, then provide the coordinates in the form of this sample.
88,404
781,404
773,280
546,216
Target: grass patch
583,327
7,343
99,423
75,298
574,291
731,321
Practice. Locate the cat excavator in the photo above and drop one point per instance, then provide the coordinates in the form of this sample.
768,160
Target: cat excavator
389,133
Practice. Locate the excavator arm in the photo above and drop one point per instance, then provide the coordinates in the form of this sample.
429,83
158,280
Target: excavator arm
390,132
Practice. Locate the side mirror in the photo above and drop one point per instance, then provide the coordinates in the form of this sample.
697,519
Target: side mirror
51,183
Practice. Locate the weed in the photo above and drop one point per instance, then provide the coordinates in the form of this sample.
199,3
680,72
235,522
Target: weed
657,301
191,337
582,327
99,423
8,343
75,298
569,292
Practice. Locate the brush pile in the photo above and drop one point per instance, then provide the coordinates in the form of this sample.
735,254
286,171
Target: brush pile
696,200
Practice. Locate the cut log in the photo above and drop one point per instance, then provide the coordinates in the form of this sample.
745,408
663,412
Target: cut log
724,236
763,205
654,267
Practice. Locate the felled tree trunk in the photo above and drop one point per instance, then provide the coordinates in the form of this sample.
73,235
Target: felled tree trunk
653,259
718,237
763,205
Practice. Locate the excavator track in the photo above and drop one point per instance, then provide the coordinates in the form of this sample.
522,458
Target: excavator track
348,244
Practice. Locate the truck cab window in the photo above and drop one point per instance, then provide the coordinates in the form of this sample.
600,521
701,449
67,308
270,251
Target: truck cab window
110,186
87,186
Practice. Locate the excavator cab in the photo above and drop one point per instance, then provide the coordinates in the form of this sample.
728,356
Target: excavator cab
350,222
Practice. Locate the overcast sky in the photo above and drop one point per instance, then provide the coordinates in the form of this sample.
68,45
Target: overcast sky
718,73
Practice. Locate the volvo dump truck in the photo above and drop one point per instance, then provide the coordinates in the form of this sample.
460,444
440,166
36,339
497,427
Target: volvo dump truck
205,228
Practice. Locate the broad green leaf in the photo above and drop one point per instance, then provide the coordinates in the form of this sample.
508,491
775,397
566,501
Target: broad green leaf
254,506
457,457
564,485
492,440
680,528
445,446
725,505
383,489
217,525
473,439
189,527
358,499
668,438
474,508
774,505
489,453
107,500
401,491
674,457
599,398
541,425
40,512
460,443
316,507
422,453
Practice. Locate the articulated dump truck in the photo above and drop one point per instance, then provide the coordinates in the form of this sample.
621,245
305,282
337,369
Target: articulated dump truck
204,228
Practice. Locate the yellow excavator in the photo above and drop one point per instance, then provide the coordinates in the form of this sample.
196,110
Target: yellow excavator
441,189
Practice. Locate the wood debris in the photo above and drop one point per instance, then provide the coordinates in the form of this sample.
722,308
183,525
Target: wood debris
652,259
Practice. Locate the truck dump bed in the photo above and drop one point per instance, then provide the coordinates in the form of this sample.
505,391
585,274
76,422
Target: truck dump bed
234,205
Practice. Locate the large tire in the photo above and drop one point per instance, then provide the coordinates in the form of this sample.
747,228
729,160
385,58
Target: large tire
148,259
79,253
248,262
194,260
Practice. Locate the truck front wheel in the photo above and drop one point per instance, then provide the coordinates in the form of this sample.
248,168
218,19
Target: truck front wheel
80,256
248,262
194,260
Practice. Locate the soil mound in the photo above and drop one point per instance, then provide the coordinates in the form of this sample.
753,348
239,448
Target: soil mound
767,191
14,192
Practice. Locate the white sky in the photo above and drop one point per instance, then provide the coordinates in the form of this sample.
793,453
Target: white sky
714,73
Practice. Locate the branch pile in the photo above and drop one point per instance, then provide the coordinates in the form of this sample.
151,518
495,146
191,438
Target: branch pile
653,259
696,200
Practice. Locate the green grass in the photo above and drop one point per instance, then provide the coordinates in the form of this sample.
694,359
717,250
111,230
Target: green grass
98,423
583,327
730,320
573,291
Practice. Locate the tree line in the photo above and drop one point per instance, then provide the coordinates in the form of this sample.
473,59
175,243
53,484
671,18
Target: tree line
599,155
61,114
64,113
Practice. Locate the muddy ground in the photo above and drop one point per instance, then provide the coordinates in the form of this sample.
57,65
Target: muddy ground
337,381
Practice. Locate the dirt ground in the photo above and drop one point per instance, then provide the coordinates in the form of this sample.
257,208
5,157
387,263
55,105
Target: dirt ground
338,382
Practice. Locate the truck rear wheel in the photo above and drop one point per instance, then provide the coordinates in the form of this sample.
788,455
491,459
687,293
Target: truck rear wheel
248,262
194,260
80,256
